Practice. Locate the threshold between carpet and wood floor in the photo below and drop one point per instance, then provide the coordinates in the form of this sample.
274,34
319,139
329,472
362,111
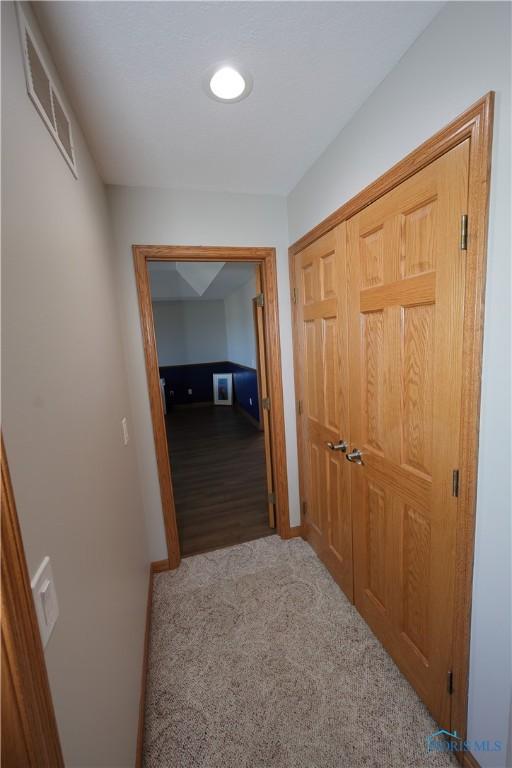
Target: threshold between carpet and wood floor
258,659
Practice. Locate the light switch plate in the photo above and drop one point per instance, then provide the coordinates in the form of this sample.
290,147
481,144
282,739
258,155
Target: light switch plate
126,434
45,599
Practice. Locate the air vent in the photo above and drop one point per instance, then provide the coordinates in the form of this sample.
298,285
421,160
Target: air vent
63,126
40,81
44,94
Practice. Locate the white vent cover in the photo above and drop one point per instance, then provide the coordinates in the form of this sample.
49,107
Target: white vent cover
44,95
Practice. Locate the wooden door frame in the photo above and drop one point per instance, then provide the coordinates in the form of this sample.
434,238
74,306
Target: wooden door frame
476,125
257,341
258,372
266,258
29,729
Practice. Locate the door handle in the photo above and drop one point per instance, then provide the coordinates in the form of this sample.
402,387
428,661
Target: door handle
355,456
341,446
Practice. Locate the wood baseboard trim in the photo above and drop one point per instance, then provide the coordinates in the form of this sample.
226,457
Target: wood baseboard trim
470,760
293,532
158,566
145,654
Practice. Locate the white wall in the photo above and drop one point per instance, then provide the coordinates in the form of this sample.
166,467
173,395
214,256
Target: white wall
187,217
63,396
241,338
207,331
464,53
169,322
190,332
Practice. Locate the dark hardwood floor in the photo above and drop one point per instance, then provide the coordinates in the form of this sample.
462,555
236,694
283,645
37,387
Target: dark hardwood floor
218,474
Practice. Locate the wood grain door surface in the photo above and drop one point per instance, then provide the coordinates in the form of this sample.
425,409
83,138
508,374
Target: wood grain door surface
379,321
406,280
322,340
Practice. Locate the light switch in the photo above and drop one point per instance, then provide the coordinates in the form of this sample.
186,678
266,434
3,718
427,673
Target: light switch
124,425
45,599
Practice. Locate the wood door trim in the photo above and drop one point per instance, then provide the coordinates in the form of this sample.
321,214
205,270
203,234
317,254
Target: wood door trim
28,717
476,125
256,336
259,331
266,258
470,760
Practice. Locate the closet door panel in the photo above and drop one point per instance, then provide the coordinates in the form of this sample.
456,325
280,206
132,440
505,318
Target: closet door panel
406,276
321,330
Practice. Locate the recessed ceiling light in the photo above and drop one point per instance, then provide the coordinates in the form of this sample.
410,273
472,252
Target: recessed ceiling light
225,83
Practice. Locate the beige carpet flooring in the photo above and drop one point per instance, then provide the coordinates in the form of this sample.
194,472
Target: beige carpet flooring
258,660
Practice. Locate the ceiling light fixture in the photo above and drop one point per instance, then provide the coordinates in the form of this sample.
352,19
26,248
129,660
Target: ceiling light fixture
225,83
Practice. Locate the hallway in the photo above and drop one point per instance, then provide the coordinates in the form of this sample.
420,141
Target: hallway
257,659
218,472
299,211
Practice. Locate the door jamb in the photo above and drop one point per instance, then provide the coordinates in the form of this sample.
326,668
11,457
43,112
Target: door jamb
263,393
266,258
257,340
29,729
475,124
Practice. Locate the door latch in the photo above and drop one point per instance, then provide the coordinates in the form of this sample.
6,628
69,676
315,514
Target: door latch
341,446
355,456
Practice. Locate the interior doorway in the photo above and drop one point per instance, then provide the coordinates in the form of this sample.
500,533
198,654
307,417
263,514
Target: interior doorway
218,423
209,336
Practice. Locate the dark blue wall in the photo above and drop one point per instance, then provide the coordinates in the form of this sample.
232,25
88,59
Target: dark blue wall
245,386
199,378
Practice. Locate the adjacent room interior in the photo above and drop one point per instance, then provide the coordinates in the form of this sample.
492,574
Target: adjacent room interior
205,320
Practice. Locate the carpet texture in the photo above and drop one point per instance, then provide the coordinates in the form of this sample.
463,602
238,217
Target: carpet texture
257,660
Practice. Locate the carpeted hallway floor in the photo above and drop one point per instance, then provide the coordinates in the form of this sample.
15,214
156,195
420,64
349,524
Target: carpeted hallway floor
258,660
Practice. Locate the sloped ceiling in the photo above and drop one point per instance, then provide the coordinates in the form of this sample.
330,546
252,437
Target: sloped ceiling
197,281
134,72
199,275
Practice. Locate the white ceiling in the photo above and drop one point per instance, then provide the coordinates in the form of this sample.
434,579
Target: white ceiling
197,281
133,71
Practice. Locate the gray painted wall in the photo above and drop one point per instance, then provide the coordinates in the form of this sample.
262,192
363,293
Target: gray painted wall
190,332
241,339
188,217
464,53
63,397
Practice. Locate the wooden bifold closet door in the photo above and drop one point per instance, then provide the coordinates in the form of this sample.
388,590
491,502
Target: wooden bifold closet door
321,323
379,321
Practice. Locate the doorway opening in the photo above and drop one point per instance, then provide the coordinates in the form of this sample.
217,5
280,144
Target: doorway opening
211,342
206,317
